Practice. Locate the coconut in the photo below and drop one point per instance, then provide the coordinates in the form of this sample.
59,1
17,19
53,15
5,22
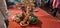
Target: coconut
17,20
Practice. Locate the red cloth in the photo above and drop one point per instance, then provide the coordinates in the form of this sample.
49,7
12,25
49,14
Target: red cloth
44,20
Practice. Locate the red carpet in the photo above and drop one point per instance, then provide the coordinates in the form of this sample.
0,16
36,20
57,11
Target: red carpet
45,20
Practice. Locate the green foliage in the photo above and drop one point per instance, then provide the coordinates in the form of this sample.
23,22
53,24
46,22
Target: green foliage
33,18
20,16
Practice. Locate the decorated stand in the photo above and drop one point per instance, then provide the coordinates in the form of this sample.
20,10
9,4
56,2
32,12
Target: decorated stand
27,17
